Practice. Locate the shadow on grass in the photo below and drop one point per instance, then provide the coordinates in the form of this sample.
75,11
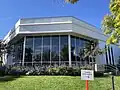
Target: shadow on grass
8,78
105,76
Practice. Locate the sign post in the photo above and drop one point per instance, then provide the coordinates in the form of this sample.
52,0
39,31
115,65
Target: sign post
87,85
87,75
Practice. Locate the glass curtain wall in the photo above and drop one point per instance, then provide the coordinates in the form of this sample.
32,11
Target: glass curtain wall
47,50
79,48
73,51
55,51
16,52
52,50
64,57
28,51
37,59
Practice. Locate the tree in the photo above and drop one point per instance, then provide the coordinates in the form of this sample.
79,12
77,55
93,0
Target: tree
4,48
91,50
111,23
0,53
72,1
64,53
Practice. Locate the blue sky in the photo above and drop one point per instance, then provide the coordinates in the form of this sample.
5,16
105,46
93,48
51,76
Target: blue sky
91,11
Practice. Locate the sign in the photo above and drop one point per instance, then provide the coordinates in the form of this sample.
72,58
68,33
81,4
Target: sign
87,75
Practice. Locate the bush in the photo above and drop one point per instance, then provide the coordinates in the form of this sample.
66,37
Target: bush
52,71
38,70
61,70
77,72
70,71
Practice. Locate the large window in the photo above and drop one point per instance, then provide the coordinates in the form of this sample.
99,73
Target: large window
37,50
81,51
46,50
55,50
80,48
64,50
17,51
52,50
29,51
73,50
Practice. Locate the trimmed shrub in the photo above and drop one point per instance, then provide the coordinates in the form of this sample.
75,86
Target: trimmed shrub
52,71
77,72
38,70
62,70
69,71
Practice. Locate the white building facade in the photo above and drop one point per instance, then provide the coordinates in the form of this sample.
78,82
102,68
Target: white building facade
56,41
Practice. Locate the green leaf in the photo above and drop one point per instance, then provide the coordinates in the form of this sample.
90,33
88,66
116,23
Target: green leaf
108,41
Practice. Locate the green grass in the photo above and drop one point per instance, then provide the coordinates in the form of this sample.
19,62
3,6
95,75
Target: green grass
56,83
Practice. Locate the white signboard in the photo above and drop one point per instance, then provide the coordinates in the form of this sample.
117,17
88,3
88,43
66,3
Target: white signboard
87,75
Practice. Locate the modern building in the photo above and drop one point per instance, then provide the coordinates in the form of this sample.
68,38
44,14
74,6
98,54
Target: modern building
57,41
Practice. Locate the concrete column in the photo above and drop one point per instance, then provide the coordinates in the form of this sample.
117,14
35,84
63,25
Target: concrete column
33,50
69,50
42,52
50,49
59,51
24,50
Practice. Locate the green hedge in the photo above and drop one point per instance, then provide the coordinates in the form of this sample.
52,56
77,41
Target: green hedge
38,70
64,71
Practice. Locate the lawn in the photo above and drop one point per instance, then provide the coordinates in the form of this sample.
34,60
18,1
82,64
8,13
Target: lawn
56,83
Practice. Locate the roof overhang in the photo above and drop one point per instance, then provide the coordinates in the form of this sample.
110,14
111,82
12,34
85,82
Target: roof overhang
51,26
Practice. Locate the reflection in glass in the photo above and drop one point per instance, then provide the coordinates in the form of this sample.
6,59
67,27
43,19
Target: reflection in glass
73,50
28,51
55,50
37,49
17,51
52,50
46,50
64,50
79,48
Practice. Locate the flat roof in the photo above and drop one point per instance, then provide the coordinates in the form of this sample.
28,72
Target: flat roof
54,20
